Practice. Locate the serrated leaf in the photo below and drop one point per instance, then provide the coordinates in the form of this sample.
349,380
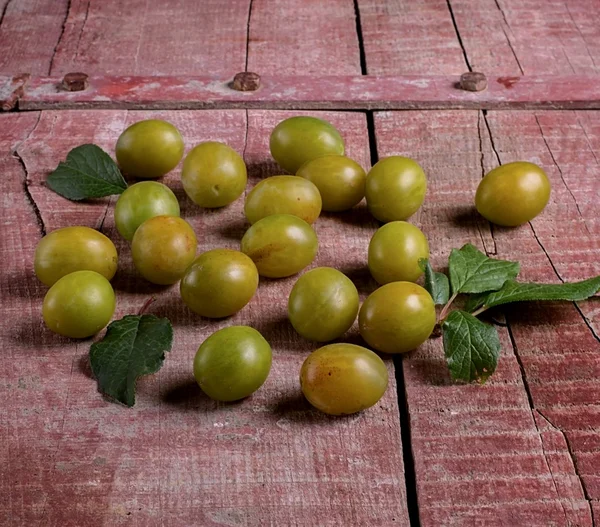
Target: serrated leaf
88,172
471,271
436,283
132,347
513,291
471,347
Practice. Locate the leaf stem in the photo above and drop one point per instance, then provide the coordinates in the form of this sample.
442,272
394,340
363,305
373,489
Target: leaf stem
445,309
478,312
146,305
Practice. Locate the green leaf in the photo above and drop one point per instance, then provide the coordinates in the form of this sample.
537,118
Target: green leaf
471,271
513,291
88,172
132,347
472,347
436,283
475,301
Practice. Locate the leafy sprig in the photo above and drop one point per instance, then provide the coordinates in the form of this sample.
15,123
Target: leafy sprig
472,347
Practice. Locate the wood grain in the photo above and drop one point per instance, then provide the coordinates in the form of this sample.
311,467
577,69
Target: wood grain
29,33
486,453
511,37
178,458
142,37
312,37
304,92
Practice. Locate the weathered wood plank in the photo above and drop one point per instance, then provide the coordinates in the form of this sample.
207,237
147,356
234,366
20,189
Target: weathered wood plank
308,92
141,37
29,33
312,37
450,425
177,458
498,37
414,37
564,243
512,37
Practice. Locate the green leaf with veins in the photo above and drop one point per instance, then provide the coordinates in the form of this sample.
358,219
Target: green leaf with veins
436,283
88,172
513,291
471,347
132,347
471,271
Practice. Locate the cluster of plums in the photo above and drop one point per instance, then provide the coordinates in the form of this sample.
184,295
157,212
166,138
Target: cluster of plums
78,262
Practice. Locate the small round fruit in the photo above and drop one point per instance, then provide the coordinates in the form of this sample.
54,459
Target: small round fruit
283,195
300,139
213,175
232,363
143,201
394,252
341,379
323,304
395,188
397,317
340,181
149,149
280,245
162,248
513,194
71,249
219,283
79,305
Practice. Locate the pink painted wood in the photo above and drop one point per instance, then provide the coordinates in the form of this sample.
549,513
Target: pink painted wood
502,454
176,458
297,92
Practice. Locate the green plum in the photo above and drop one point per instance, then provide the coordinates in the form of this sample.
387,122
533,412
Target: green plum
280,245
213,175
340,181
219,283
162,248
232,363
297,140
143,201
394,252
283,195
71,249
79,304
323,304
397,317
149,149
341,379
513,194
395,188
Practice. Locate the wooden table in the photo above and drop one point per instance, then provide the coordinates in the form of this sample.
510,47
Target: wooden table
522,450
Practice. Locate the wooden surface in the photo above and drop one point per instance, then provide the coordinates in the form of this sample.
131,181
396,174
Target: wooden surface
304,92
521,450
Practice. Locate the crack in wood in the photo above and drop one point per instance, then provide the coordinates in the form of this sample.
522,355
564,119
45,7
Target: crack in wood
561,174
580,33
478,218
85,19
458,36
62,32
586,493
533,410
4,12
29,196
510,45
248,38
